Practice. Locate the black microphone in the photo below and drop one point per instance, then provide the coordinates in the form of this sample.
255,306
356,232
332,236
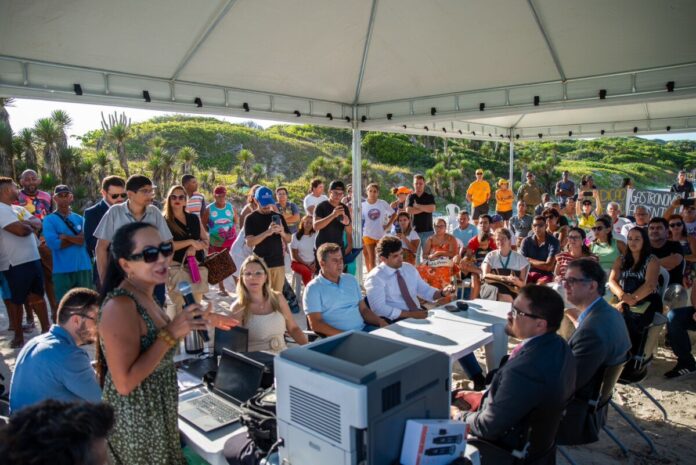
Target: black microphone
187,293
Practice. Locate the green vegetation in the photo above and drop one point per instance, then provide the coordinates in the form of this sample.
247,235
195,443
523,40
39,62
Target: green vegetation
240,155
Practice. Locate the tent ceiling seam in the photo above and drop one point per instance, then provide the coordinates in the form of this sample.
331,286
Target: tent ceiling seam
202,38
366,48
547,39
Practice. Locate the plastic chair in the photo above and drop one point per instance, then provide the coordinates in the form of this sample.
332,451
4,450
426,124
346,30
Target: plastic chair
602,394
452,216
664,274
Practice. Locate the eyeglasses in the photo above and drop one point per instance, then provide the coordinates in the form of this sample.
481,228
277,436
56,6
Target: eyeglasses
122,195
146,191
515,312
674,225
178,197
573,281
254,274
151,253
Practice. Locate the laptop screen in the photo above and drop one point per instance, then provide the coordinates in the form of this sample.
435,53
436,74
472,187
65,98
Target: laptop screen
235,339
238,377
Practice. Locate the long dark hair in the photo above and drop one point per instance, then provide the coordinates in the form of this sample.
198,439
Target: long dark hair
607,223
121,246
684,232
301,230
585,249
645,251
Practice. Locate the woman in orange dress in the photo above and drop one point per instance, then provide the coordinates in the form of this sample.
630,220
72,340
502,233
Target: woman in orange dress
439,249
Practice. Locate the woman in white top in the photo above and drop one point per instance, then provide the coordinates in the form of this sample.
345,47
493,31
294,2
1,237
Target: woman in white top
264,312
302,250
378,217
504,270
403,229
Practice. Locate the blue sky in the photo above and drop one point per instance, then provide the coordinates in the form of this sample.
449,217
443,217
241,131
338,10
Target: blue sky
25,112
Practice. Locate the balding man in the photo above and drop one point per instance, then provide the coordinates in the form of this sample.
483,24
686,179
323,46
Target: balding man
642,219
617,221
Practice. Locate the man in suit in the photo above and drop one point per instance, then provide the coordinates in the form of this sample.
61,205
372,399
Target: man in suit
600,340
528,393
113,191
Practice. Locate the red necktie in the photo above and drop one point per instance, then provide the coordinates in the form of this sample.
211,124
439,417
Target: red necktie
412,306
516,350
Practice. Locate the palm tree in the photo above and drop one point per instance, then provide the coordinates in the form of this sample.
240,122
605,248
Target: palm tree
6,153
246,160
48,133
187,156
117,131
26,140
168,174
101,161
156,165
4,115
257,172
63,121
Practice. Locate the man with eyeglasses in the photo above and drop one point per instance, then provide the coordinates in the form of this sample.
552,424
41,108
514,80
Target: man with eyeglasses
528,393
540,249
113,191
642,218
65,237
670,253
53,365
138,208
600,339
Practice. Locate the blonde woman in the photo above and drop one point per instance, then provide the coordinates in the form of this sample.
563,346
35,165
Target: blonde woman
264,312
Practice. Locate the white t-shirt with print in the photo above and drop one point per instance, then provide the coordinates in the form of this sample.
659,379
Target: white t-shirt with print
15,250
375,216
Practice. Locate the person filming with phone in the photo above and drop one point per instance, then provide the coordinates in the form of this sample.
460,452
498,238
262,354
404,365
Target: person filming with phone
267,233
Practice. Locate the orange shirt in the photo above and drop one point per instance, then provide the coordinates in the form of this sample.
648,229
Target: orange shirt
479,191
504,199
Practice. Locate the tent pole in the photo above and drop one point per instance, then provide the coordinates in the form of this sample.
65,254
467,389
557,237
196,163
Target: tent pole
512,159
357,195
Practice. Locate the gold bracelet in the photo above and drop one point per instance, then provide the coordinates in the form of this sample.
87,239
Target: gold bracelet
167,337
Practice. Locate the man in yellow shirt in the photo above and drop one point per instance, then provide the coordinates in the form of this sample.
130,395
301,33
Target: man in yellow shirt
478,194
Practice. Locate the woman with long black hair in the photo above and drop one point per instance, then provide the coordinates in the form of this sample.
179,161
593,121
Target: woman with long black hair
633,280
135,353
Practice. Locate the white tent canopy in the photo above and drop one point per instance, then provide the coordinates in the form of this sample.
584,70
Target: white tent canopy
482,69
398,65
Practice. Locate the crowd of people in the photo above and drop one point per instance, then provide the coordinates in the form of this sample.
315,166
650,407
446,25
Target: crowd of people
558,258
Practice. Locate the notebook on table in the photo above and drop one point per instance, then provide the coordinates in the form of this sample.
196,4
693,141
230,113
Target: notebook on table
237,380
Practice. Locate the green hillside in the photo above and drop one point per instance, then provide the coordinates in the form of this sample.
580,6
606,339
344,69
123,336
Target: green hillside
240,155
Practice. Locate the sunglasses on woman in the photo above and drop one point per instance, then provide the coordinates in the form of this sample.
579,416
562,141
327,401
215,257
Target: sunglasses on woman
178,197
675,225
151,253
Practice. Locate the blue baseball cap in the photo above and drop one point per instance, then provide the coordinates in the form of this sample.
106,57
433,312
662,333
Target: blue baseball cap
264,196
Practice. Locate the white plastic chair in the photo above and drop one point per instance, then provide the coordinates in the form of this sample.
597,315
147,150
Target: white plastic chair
452,216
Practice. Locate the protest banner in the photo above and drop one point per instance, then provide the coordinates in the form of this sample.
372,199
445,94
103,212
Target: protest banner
655,201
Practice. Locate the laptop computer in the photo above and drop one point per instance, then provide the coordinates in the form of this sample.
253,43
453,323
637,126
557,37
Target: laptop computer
238,378
235,339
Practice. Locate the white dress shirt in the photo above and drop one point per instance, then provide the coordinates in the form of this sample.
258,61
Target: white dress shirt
383,291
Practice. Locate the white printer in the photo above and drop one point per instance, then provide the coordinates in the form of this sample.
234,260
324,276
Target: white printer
345,400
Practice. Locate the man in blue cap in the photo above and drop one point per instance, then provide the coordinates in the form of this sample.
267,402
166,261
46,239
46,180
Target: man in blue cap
266,234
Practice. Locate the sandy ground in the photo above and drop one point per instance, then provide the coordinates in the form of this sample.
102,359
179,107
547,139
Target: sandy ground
675,438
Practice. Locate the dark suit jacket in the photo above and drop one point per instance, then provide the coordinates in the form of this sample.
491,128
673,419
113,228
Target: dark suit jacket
93,216
529,392
601,340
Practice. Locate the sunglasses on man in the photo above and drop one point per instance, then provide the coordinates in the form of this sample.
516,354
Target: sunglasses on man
122,195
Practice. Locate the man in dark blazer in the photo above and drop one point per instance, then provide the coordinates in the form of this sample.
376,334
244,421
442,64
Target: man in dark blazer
528,393
113,191
600,340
